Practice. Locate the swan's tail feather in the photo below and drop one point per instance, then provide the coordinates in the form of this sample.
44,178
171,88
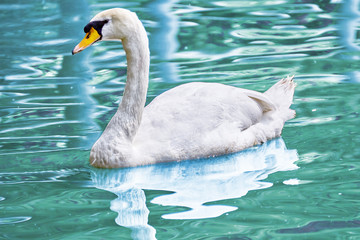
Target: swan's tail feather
282,93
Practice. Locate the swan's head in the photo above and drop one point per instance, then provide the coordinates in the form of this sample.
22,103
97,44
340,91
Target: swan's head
113,24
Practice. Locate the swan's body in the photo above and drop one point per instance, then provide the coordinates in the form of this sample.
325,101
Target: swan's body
193,120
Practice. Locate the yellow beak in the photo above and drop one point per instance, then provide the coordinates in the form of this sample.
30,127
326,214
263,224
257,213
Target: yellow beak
91,37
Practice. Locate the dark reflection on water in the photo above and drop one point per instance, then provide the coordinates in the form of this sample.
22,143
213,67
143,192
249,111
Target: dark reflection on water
322,225
195,184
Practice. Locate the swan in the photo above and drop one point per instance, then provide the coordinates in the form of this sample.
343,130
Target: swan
191,121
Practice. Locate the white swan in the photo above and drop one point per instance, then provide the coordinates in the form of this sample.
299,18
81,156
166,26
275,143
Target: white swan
193,120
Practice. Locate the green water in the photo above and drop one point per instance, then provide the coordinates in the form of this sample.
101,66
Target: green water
53,106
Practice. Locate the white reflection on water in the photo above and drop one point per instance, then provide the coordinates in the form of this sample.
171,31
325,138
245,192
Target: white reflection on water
194,183
165,35
348,29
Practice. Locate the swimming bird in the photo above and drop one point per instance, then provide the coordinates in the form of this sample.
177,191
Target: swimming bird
191,121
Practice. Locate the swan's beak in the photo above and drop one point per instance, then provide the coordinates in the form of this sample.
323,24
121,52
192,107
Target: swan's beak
91,37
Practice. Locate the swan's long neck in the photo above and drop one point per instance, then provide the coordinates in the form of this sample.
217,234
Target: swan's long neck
134,97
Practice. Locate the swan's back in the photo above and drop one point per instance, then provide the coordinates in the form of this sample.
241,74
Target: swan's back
203,119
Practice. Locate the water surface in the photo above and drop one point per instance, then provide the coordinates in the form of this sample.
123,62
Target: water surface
53,106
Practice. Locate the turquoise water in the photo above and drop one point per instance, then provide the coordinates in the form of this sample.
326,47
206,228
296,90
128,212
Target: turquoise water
53,106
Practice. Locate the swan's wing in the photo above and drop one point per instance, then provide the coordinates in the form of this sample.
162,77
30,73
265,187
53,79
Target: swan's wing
198,119
196,110
265,103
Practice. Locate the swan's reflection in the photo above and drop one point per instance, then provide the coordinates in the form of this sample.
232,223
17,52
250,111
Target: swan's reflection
193,182
226,177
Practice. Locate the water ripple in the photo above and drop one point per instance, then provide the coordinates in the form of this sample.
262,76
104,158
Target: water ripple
53,106
44,176
317,226
13,220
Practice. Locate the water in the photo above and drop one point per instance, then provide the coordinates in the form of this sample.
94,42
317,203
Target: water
53,106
